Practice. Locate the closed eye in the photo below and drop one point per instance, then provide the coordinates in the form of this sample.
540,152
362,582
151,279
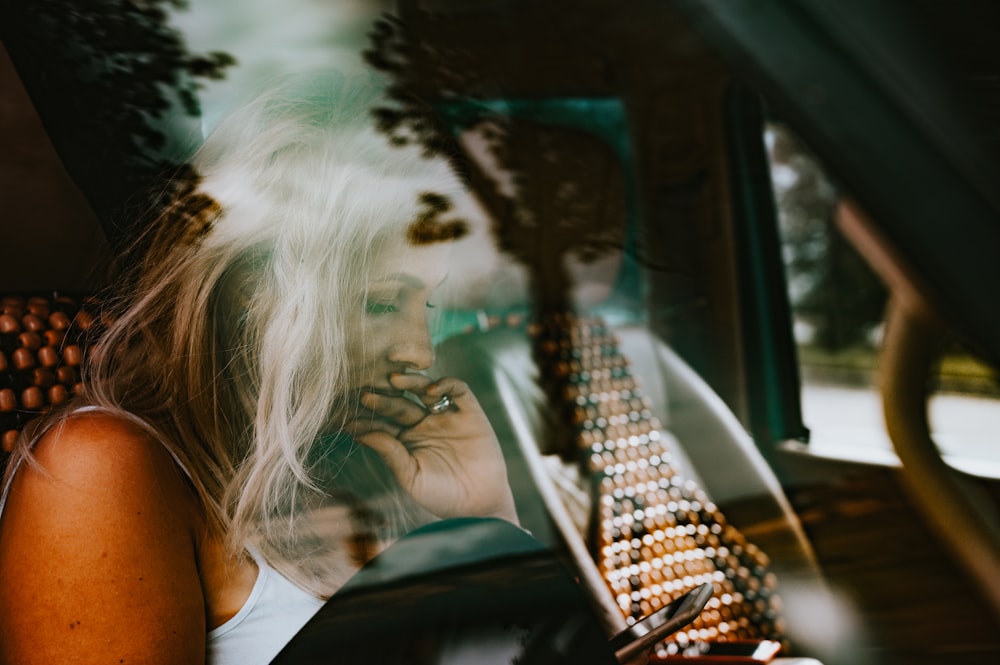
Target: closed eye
378,307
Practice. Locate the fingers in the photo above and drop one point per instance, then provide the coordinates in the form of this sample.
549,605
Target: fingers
429,390
393,413
363,426
400,410
393,453
413,383
454,388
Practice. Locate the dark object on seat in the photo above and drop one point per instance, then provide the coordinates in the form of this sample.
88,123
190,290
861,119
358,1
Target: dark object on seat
42,344
465,590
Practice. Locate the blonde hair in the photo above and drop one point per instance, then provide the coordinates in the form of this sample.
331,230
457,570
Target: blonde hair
231,345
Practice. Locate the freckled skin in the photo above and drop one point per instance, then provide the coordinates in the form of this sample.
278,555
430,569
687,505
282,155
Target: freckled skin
116,519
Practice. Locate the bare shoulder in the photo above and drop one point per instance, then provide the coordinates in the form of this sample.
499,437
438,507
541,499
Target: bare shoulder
111,446
97,551
104,462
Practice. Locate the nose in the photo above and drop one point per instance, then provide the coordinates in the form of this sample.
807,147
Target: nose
413,348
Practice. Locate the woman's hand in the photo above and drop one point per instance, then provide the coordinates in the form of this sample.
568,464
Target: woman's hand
450,462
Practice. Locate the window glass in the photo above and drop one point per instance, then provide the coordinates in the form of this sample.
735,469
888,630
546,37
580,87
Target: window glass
838,305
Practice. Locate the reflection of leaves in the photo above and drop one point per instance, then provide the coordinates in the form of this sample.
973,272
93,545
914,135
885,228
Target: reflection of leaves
101,75
419,70
569,188
569,180
430,227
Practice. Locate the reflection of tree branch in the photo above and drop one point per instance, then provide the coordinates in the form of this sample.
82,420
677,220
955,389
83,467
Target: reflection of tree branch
569,189
100,75
413,120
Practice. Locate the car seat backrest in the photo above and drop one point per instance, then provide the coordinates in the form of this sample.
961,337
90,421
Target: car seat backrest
499,368
714,439
43,340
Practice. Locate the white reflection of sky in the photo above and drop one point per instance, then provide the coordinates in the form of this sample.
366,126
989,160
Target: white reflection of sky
271,38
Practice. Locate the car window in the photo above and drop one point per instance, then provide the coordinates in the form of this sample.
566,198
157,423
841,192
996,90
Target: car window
646,293
839,304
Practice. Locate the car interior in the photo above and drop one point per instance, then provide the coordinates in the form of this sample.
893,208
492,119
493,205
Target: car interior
621,309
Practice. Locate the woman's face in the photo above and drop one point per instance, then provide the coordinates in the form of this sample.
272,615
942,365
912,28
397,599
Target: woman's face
392,333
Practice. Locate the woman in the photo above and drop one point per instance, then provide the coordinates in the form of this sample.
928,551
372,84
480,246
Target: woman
260,386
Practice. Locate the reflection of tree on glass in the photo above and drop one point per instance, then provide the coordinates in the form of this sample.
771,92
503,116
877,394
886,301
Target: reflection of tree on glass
107,77
254,406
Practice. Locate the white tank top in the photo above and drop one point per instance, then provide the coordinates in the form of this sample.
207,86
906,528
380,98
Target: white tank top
272,615
274,612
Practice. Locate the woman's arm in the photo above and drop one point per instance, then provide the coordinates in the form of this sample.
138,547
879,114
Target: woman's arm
97,552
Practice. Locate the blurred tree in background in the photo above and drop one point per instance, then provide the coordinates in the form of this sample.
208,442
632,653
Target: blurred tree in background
834,293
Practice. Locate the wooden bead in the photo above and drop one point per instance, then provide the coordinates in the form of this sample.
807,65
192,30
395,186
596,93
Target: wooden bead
67,375
8,400
73,355
3,362
30,340
42,377
39,309
83,319
9,439
33,323
54,337
23,358
58,394
32,398
48,356
59,321
8,324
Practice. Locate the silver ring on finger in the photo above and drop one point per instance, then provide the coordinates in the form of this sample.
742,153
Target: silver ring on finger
441,405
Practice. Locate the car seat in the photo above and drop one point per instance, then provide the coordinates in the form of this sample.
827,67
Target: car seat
709,446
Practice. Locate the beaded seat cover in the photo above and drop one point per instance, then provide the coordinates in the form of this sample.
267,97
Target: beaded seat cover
653,534
42,344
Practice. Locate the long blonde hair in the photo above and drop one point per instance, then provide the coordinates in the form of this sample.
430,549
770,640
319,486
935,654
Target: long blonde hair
230,345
